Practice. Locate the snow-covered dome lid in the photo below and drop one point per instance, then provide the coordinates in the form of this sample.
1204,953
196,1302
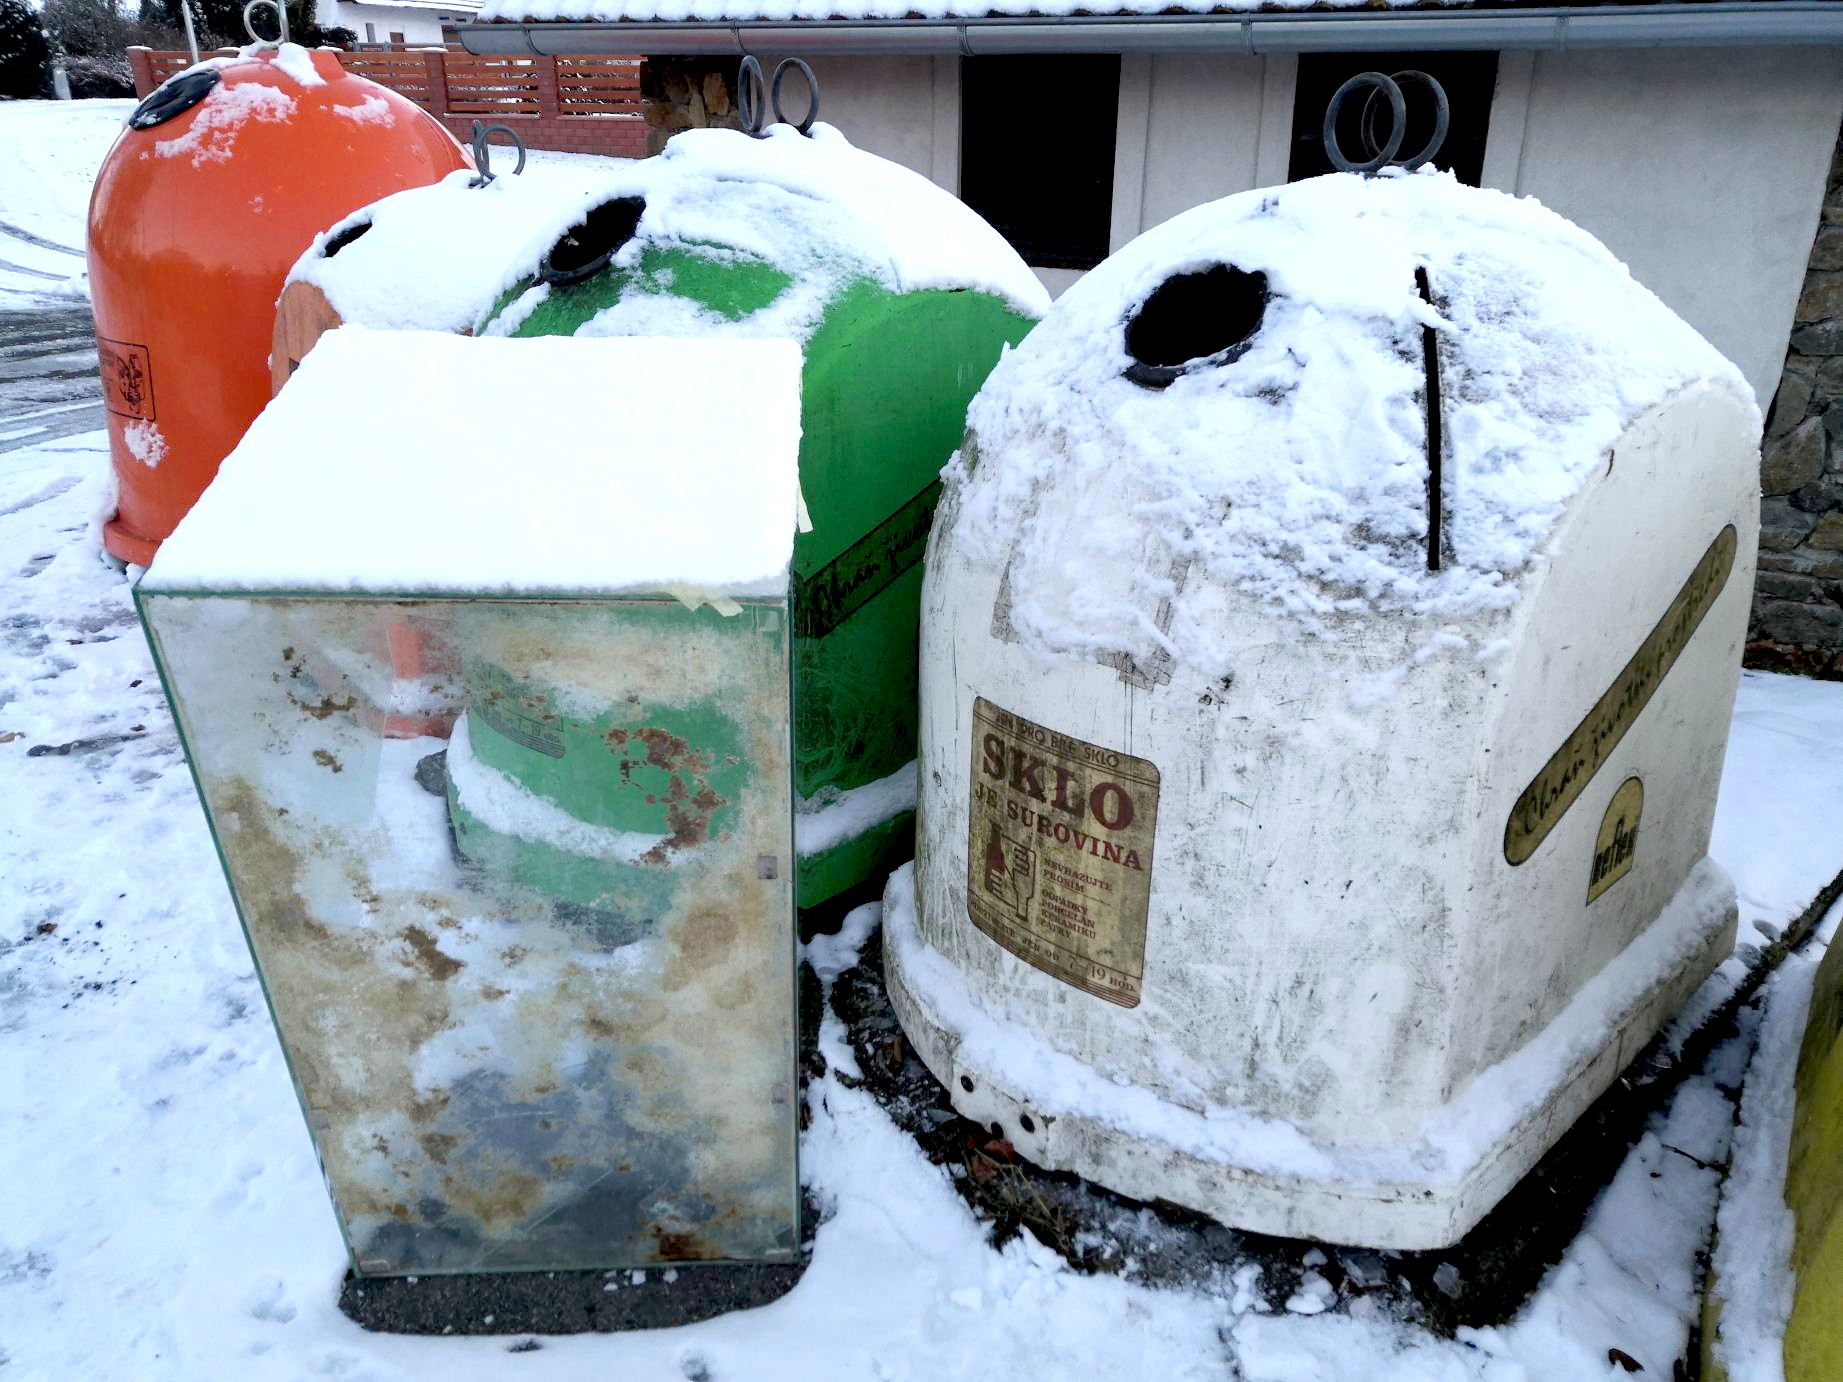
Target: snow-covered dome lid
433,258
1241,393
813,207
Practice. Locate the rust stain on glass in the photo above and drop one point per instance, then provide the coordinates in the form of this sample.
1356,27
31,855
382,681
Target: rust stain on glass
501,864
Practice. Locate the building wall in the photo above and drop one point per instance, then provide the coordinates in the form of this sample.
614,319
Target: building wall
1703,169
418,27
888,106
1192,129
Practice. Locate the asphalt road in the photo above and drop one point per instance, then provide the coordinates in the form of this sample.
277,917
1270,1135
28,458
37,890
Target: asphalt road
48,381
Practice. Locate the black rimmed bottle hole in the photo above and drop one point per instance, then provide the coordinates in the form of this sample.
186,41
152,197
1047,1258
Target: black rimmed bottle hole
586,247
344,238
1193,320
173,98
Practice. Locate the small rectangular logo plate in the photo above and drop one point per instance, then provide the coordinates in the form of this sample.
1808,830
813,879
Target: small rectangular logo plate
1617,843
127,379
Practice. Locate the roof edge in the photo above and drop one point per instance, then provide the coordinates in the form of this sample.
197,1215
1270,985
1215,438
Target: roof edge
1748,23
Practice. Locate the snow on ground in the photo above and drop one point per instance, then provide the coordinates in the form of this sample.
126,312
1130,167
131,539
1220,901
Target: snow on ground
1753,1247
163,1215
49,154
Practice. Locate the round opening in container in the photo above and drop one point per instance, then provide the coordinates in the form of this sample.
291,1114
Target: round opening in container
345,237
174,97
1192,320
586,247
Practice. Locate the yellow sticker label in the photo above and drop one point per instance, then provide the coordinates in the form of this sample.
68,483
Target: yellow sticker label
1059,852
1566,775
1617,843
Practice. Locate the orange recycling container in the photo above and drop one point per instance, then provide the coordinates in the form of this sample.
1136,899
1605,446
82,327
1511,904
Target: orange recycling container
221,180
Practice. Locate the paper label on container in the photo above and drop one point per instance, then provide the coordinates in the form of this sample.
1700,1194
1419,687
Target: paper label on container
1059,852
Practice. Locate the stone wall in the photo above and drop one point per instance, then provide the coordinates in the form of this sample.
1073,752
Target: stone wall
687,94
1798,601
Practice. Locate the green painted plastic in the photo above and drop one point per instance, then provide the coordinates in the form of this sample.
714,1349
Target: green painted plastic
887,382
669,774
873,853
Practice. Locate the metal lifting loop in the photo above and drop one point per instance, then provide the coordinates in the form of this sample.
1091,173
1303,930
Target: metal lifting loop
812,93
1398,109
483,157
1442,119
249,25
751,97
756,96
1383,152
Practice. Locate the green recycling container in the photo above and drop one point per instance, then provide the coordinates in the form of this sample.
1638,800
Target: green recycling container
637,781
903,300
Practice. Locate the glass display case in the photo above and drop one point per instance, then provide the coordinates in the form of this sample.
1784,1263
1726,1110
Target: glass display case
518,878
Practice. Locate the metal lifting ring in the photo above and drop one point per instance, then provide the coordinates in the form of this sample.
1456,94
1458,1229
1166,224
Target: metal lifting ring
249,26
812,93
1442,119
483,157
1398,109
1384,153
751,97
756,95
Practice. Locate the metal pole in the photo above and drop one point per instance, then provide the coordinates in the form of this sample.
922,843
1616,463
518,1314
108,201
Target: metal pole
185,13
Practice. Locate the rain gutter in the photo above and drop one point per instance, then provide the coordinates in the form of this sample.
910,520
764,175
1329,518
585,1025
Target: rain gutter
1720,25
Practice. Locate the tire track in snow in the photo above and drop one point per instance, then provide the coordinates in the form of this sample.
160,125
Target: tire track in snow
39,241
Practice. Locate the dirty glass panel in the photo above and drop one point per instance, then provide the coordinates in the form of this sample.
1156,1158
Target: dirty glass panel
517,877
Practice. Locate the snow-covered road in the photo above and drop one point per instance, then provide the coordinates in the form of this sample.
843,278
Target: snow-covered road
49,154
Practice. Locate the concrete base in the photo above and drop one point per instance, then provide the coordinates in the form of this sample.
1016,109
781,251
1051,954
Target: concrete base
1064,1116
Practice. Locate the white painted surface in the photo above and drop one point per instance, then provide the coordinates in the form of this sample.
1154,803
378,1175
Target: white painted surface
1336,946
419,24
885,106
1702,169
944,85
1057,281
1133,1141
1203,135
1376,1019
1132,114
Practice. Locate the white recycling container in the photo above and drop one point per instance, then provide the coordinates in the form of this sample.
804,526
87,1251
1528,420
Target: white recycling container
1309,831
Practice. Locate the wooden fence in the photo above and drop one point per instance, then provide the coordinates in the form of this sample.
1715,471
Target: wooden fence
585,105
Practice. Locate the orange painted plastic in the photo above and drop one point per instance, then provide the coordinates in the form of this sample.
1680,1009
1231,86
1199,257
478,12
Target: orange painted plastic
419,660
188,247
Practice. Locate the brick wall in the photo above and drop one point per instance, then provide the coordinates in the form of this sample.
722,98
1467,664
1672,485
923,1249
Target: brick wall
576,134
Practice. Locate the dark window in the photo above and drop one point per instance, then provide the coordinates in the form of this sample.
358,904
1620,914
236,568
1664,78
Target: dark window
1469,79
1043,176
